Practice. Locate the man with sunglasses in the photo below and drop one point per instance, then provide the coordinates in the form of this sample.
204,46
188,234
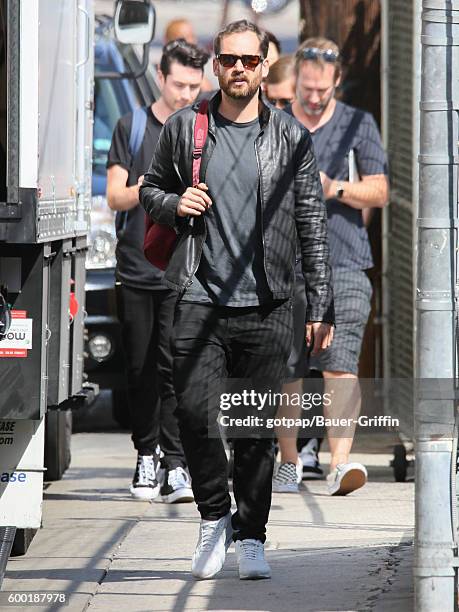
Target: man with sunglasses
234,269
336,130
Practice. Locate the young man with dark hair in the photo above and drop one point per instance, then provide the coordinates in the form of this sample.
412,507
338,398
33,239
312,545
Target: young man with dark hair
337,130
233,267
145,306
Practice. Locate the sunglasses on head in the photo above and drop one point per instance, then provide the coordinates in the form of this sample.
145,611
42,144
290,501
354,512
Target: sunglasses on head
228,60
313,53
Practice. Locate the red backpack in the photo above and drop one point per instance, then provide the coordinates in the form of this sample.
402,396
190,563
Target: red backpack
160,240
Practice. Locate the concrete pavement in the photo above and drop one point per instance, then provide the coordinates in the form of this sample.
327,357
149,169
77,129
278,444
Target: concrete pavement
108,552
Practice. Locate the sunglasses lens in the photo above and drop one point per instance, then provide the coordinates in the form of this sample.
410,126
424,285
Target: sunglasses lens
250,61
309,54
330,56
227,60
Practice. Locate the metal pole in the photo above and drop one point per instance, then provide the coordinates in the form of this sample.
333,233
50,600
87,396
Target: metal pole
435,538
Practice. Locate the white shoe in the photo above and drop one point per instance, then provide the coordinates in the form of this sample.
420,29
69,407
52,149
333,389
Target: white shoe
176,487
215,538
346,477
286,479
251,559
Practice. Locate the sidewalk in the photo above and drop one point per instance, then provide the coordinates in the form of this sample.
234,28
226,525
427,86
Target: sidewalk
327,554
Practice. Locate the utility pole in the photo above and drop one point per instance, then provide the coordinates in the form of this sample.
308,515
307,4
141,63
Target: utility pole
435,563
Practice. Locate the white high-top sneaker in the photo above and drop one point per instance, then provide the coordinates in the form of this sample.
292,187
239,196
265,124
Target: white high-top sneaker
215,538
251,558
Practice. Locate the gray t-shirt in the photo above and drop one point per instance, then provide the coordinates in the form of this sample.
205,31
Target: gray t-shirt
349,244
231,270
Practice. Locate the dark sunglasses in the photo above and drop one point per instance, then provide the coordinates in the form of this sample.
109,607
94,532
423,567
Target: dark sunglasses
313,53
228,60
283,102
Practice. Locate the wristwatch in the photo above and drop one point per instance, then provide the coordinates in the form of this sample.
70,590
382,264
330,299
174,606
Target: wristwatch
339,191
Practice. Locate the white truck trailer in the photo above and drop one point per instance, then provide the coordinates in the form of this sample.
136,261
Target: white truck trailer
46,86
46,117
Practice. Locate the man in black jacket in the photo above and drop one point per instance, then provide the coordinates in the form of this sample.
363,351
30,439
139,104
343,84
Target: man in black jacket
234,270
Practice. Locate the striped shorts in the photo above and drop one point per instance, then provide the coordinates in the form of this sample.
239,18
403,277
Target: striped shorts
352,291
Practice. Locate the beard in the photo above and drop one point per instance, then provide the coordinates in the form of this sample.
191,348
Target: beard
239,92
319,108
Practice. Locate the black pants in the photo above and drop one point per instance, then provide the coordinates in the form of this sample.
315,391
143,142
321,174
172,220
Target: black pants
146,318
211,343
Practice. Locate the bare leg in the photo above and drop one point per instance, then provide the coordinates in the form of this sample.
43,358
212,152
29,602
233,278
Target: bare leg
346,402
287,436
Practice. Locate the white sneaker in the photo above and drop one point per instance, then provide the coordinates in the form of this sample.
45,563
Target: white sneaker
215,538
251,559
346,477
286,479
176,487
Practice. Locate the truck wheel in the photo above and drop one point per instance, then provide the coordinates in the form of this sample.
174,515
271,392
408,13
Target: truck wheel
58,434
22,541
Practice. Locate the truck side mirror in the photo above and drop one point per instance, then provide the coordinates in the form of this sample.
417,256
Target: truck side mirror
134,22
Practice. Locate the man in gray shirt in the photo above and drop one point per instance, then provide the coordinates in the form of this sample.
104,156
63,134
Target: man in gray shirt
336,130
234,269
231,269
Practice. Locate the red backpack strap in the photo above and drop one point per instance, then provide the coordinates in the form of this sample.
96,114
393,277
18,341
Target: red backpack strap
201,127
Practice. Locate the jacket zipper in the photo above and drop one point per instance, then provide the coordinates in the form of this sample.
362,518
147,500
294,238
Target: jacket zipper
261,209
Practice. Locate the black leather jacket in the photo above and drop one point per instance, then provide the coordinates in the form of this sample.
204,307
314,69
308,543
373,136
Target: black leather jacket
291,202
